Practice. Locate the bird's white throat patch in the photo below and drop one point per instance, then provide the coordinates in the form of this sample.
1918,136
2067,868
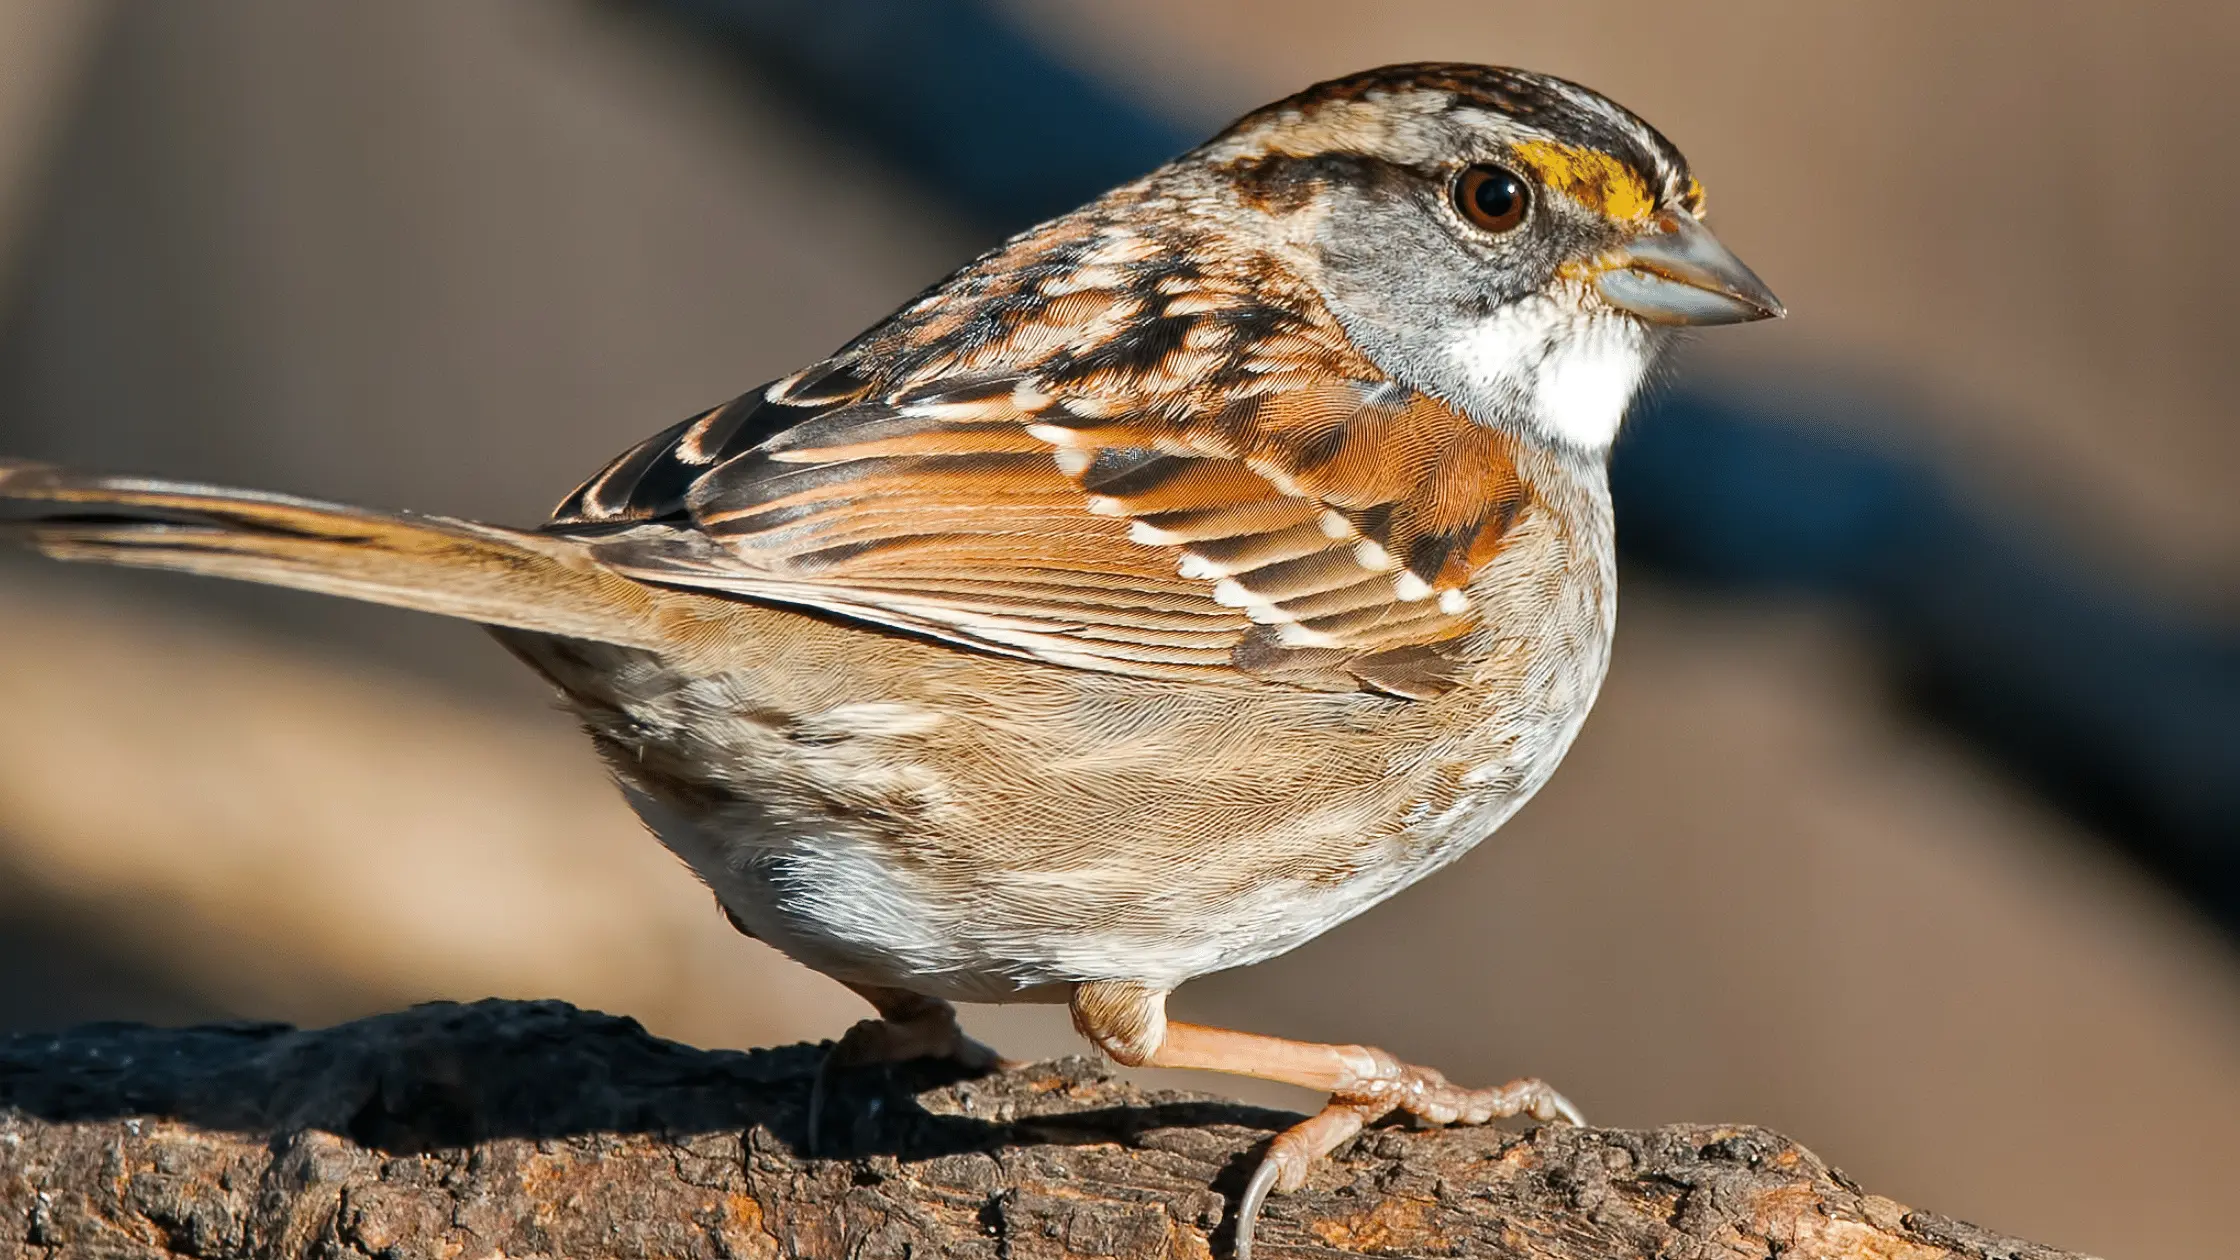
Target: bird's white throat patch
1572,371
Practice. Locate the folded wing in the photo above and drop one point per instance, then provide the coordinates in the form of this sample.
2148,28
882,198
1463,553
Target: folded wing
1160,476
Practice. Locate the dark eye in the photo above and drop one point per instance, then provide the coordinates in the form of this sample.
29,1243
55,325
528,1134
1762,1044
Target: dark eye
1492,197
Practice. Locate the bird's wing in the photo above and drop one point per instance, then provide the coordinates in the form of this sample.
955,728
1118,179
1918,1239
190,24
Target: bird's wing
1159,477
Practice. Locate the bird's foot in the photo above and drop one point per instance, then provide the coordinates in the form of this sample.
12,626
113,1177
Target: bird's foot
1392,1086
909,1027
1129,1021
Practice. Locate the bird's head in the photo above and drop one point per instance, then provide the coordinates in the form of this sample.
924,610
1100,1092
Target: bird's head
1513,243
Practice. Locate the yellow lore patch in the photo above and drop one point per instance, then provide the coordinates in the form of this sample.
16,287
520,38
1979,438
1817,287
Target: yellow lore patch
1592,178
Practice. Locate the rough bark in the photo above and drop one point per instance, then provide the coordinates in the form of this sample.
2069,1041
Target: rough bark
523,1129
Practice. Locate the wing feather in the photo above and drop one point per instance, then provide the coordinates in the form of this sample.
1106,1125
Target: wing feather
1098,456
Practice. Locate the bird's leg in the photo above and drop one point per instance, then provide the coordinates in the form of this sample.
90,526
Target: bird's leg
1129,1023
909,1026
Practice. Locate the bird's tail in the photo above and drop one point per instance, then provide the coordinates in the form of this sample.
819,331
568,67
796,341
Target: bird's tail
500,577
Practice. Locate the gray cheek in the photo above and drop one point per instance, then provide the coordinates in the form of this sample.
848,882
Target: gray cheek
1371,250
1402,283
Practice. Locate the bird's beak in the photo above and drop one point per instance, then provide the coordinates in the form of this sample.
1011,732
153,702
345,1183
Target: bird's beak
1677,272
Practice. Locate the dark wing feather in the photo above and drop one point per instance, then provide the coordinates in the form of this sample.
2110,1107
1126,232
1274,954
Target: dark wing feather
649,481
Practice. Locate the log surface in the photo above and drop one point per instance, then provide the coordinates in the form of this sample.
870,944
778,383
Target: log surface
536,1129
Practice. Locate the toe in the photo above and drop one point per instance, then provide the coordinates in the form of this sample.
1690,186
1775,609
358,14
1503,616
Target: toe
1292,1155
1544,1103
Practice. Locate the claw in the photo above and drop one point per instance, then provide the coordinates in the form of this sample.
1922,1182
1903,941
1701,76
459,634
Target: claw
1255,1194
819,1088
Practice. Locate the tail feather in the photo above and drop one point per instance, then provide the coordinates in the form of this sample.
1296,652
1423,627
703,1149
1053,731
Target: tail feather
436,564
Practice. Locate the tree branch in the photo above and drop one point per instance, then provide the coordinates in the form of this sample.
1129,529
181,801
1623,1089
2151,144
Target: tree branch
522,1129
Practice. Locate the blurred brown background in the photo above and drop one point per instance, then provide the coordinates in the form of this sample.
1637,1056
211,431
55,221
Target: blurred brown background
452,257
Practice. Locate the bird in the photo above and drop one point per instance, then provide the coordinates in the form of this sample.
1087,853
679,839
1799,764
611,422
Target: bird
1168,585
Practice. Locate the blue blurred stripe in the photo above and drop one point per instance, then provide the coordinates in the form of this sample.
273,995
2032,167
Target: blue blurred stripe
952,93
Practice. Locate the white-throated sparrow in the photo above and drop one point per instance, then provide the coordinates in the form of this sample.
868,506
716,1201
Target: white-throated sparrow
1172,583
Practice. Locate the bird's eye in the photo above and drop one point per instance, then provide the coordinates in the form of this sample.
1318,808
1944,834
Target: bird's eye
1493,197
